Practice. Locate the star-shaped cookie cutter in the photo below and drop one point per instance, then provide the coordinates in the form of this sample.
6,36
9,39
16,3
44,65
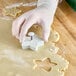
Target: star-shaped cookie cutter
32,42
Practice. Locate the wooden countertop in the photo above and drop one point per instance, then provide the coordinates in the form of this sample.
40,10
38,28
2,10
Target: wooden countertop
65,24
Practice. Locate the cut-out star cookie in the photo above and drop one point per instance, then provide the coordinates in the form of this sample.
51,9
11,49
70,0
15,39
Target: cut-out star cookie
55,65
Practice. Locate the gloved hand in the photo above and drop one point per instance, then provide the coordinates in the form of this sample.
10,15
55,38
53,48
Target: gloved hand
41,15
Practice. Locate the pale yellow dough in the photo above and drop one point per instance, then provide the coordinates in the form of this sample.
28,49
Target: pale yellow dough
17,62
13,12
54,36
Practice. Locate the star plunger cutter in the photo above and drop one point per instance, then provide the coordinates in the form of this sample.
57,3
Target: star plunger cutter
32,42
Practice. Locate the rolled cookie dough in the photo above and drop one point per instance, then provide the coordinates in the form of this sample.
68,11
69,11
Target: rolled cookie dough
55,65
19,62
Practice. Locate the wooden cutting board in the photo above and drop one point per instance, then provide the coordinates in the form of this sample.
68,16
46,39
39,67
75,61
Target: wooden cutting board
65,24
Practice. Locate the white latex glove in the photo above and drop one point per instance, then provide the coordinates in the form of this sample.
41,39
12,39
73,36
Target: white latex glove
42,15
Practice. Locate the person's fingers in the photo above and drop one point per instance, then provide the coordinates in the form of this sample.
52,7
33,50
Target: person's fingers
18,23
46,32
46,26
28,23
16,26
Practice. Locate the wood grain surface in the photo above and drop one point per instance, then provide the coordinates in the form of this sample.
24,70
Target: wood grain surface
65,24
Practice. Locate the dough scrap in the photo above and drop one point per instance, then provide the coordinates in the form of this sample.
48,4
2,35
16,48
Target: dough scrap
53,48
13,12
54,36
55,64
